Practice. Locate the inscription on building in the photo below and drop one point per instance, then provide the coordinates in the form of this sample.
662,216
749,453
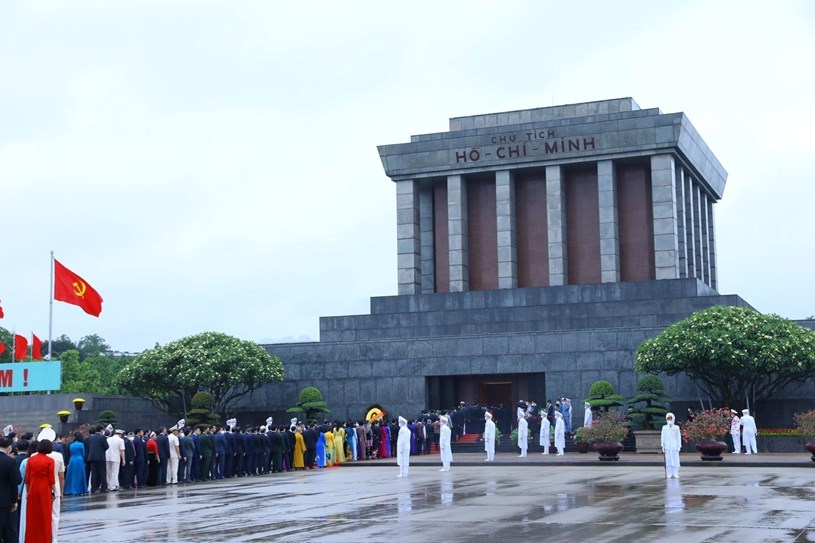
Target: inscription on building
517,145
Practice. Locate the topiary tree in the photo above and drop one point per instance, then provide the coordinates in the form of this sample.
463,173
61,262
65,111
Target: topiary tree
201,414
311,403
108,417
731,352
651,392
602,396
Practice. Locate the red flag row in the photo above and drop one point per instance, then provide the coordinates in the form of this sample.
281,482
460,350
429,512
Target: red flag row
21,347
69,288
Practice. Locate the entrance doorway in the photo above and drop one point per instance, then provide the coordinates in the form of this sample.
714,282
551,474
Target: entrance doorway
495,393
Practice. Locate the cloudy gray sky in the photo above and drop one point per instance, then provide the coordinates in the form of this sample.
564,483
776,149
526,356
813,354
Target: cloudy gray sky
213,165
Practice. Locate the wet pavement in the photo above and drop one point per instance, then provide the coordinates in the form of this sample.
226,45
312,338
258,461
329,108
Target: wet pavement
766,498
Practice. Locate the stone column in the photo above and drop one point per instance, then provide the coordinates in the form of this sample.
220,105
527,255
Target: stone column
690,218
609,231
703,216
457,233
505,219
556,226
407,236
697,229
427,258
680,221
663,198
714,279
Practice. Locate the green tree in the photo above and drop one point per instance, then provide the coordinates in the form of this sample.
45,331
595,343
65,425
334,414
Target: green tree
93,375
92,345
602,396
227,367
731,352
58,346
651,392
311,403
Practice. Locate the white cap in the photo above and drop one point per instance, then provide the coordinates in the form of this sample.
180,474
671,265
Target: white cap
47,433
670,416
745,411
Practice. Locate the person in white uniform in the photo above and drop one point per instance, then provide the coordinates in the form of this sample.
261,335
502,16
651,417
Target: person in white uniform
403,448
735,431
748,437
523,436
560,434
489,437
544,436
587,416
114,459
671,445
444,444
59,478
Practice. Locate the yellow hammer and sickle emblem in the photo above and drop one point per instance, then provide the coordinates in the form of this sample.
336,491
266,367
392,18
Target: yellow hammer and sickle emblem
80,288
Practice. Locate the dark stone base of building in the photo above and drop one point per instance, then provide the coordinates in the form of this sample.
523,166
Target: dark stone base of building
431,351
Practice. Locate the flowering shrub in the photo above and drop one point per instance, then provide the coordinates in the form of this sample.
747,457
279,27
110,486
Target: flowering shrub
806,422
609,426
708,425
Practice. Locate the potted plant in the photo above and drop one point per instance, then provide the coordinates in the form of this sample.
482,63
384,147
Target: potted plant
606,432
108,417
79,403
580,441
806,425
63,415
707,429
651,416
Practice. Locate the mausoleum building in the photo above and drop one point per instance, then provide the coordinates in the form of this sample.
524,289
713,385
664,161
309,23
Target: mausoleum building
536,250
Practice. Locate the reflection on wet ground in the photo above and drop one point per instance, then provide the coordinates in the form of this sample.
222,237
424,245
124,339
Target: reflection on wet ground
632,503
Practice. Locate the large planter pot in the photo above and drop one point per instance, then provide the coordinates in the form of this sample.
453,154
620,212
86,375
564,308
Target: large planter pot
608,451
63,418
648,441
79,405
582,448
810,447
711,450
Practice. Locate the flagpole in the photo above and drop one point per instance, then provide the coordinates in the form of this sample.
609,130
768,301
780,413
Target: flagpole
51,307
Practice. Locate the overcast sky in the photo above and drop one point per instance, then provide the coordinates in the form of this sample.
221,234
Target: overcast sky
213,165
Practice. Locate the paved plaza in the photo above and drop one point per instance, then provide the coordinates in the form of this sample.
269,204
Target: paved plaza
766,498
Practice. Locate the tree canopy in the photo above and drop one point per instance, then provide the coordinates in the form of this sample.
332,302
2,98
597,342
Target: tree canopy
732,352
227,367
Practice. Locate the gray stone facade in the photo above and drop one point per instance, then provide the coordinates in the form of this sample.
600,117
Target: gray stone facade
574,334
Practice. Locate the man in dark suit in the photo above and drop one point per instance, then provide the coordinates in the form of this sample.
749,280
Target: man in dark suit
237,444
96,445
276,449
248,452
128,471
219,461
9,479
229,464
163,443
310,438
140,463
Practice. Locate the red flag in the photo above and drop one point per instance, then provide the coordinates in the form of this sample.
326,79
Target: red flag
36,347
2,348
72,289
1,314
20,347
